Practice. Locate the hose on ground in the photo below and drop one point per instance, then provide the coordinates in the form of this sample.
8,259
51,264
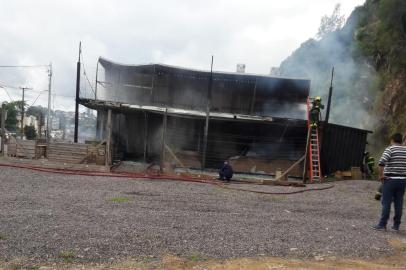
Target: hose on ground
211,181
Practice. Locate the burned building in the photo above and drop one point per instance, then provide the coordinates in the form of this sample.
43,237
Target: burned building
198,119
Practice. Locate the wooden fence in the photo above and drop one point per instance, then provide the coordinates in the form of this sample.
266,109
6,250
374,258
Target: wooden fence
73,153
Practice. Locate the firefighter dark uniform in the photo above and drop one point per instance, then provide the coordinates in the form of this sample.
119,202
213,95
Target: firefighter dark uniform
315,112
371,164
226,172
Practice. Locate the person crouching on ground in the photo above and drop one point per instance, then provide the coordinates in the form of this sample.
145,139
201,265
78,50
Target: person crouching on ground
392,173
226,172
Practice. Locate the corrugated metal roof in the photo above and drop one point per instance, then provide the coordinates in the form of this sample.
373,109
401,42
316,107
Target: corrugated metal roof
106,62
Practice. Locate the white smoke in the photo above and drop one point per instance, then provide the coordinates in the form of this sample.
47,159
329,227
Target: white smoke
354,78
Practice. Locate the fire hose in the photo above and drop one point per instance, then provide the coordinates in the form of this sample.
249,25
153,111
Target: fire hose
158,177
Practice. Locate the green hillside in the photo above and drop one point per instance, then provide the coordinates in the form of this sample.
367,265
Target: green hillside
369,56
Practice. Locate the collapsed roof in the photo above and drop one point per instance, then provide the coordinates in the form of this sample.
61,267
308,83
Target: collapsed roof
179,88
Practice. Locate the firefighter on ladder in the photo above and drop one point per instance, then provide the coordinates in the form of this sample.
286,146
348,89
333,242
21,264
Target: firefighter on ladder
315,112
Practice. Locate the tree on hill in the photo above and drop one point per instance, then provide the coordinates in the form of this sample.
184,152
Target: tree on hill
331,23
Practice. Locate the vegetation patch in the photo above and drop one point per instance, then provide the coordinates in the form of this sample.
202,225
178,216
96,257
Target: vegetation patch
68,255
120,199
195,257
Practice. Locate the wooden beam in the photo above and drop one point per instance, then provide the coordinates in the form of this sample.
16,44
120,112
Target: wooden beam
174,156
265,182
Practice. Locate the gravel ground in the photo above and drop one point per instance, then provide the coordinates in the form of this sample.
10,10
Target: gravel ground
44,217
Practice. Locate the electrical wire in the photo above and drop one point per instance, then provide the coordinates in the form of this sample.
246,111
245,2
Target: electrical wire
19,88
90,84
23,66
36,99
9,86
8,94
84,72
4,86
34,90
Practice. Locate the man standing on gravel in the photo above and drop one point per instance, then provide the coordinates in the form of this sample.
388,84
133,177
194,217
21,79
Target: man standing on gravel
392,173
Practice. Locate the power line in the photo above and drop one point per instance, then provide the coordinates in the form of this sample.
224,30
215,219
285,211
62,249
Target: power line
36,99
84,72
19,87
23,66
4,86
53,94
91,87
7,94
9,86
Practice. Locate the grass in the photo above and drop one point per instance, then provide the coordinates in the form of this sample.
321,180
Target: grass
195,257
33,268
120,199
67,255
403,249
2,237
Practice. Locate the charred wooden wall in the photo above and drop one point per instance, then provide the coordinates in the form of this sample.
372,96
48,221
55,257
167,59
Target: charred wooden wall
248,143
342,148
138,135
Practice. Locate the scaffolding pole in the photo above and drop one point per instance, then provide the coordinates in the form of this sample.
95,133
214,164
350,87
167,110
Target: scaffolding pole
206,128
164,125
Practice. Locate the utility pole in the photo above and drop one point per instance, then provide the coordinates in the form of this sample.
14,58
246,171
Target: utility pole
206,128
3,127
96,82
23,111
330,93
49,125
108,142
75,137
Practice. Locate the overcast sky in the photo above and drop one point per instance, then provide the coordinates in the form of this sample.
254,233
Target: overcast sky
185,33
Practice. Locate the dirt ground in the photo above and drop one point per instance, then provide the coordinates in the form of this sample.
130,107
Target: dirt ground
170,262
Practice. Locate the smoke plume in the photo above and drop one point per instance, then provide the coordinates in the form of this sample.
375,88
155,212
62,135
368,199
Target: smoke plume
354,78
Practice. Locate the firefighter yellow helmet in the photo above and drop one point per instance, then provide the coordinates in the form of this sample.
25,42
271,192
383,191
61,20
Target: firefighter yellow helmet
318,98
